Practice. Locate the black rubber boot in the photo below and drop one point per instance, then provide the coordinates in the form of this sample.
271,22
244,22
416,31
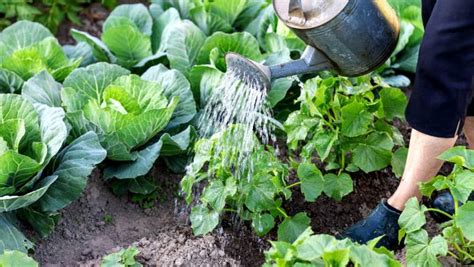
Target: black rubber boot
383,221
444,201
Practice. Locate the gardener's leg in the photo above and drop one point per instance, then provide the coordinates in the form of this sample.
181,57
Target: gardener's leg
469,131
437,109
422,164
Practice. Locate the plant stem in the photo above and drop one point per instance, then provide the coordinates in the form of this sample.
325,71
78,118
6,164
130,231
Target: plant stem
282,212
453,255
442,212
460,250
293,185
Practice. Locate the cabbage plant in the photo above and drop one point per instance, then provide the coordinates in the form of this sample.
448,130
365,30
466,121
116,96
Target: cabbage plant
38,176
27,48
125,110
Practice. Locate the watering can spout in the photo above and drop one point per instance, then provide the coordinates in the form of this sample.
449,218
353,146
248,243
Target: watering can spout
312,61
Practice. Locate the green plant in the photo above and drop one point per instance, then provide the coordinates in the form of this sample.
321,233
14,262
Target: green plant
405,57
26,49
11,258
457,236
123,258
345,125
325,250
254,191
50,13
38,176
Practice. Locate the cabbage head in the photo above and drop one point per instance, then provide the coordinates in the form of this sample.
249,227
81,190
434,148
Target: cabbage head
38,176
27,48
126,111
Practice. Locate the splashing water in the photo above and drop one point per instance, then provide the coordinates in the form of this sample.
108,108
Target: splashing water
237,102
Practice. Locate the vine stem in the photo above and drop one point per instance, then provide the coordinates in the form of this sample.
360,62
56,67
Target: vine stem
293,185
442,212
282,212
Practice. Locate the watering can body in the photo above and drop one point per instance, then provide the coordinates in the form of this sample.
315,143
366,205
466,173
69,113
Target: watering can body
350,37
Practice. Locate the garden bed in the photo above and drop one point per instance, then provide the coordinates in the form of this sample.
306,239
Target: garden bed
100,223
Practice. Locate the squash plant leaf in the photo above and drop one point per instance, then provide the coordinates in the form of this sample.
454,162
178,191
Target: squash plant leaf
413,216
465,218
375,153
203,220
337,186
312,181
424,252
263,223
355,119
292,227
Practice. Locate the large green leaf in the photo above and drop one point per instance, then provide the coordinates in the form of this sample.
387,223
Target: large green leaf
183,43
81,50
99,49
11,237
278,91
137,13
204,78
394,103
203,220
260,193
292,227
126,41
375,154
13,258
355,119
421,252
338,186
464,219
20,35
72,166
464,185
43,89
52,127
263,223
460,156
312,181
89,83
10,82
216,193
10,203
174,83
242,43
140,166
413,217
16,107
161,24
179,143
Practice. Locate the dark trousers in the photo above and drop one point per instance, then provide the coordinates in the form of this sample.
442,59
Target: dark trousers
443,90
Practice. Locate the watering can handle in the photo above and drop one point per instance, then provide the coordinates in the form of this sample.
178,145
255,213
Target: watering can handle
295,12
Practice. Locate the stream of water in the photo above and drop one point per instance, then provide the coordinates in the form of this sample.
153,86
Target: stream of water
237,102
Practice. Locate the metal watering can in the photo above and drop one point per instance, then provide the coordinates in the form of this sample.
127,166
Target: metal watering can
350,37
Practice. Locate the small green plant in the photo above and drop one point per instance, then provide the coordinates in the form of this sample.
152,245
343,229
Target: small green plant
108,219
325,250
344,124
254,191
457,236
123,258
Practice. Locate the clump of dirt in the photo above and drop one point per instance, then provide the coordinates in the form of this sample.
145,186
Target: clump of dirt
100,222
177,247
